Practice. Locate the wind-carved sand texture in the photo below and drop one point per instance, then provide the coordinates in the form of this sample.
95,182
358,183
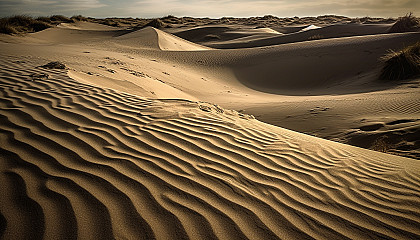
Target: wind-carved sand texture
149,150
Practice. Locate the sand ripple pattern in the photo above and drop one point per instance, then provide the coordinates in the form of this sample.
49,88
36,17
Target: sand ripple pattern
83,162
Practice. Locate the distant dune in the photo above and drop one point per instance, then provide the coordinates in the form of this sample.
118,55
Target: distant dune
127,134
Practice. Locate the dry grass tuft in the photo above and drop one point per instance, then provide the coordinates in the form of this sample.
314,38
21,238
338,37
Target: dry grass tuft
44,19
79,18
21,23
54,65
403,64
405,24
156,23
381,144
61,19
170,19
7,28
110,22
316,37
55,19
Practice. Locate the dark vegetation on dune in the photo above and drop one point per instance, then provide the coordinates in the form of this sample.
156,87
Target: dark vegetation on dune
406,23
156,23
17,24
54,65
79,18
403,64
23,24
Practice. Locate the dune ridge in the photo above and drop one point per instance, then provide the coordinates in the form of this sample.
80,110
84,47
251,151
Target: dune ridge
155,39
326,87
92,162
228,37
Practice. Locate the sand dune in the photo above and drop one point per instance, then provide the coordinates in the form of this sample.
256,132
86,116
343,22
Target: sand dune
152,38
94,162
170,42
312,85
225,37
218,34
328,62
294,68
73,33
129,142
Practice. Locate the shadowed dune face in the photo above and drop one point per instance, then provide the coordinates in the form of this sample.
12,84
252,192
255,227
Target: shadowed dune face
233,37
318,65
290,69
339,65
80,161
214,35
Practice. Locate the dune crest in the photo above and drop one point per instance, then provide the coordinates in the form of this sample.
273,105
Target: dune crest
171,42
156,39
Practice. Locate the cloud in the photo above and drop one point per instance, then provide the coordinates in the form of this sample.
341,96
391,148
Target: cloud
211,8
46,7
244,8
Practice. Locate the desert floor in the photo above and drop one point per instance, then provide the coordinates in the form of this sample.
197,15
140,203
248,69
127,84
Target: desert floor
208,131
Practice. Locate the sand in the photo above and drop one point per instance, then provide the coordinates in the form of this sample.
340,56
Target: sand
147,135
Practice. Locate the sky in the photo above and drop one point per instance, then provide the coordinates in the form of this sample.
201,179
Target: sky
210,8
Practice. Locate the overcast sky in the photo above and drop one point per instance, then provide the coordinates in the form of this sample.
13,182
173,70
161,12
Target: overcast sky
210,8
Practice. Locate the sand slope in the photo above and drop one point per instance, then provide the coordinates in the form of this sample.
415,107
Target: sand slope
344,64
327,87
80,161
223,34
119,146
229,37
151,38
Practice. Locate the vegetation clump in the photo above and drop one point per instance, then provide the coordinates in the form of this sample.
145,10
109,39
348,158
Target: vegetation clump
55,19
110,22
54,65
79,18
19,24
171,19
156,23
316,37
61,19
24,24
403,64
406,23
